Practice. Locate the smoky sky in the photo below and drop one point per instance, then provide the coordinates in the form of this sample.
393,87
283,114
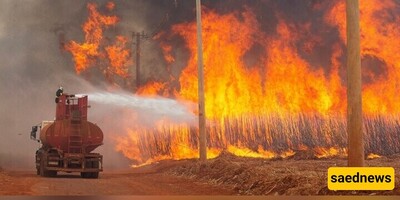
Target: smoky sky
33,66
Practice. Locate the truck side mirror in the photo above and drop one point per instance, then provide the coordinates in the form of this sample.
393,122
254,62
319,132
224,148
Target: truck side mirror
33,132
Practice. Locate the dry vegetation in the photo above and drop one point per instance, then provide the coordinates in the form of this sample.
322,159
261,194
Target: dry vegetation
249,176
272,133
301,174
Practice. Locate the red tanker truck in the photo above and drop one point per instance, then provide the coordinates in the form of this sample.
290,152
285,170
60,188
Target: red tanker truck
68,141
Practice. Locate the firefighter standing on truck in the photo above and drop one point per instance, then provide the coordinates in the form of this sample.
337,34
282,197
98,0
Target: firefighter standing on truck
59,92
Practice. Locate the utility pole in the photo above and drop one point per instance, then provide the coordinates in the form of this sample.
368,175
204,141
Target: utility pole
202,112
139,36
354,98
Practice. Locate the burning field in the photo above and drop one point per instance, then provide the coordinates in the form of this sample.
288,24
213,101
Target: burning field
275,77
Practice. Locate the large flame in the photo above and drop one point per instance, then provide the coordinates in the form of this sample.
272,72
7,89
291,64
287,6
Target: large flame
281,102
111,59
380,40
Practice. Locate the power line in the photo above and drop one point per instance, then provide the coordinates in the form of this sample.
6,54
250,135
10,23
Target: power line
142,36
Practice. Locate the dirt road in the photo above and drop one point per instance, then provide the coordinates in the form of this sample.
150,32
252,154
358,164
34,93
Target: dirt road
143,181
224,175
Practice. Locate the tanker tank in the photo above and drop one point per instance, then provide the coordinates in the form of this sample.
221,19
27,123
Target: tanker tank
68,142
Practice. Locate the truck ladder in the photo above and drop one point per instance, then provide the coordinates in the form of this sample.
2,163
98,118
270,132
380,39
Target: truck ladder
75,143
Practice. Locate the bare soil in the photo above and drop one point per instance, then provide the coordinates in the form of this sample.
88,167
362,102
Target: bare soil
293,176
141,181
225,175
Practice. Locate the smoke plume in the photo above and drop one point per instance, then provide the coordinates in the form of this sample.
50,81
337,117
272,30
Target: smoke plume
33,67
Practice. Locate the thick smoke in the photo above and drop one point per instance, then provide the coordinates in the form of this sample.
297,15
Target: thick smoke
33,66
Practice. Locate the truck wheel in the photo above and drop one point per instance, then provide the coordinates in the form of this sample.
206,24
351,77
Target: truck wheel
42,171
94,175
51,173
85,174
95,165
